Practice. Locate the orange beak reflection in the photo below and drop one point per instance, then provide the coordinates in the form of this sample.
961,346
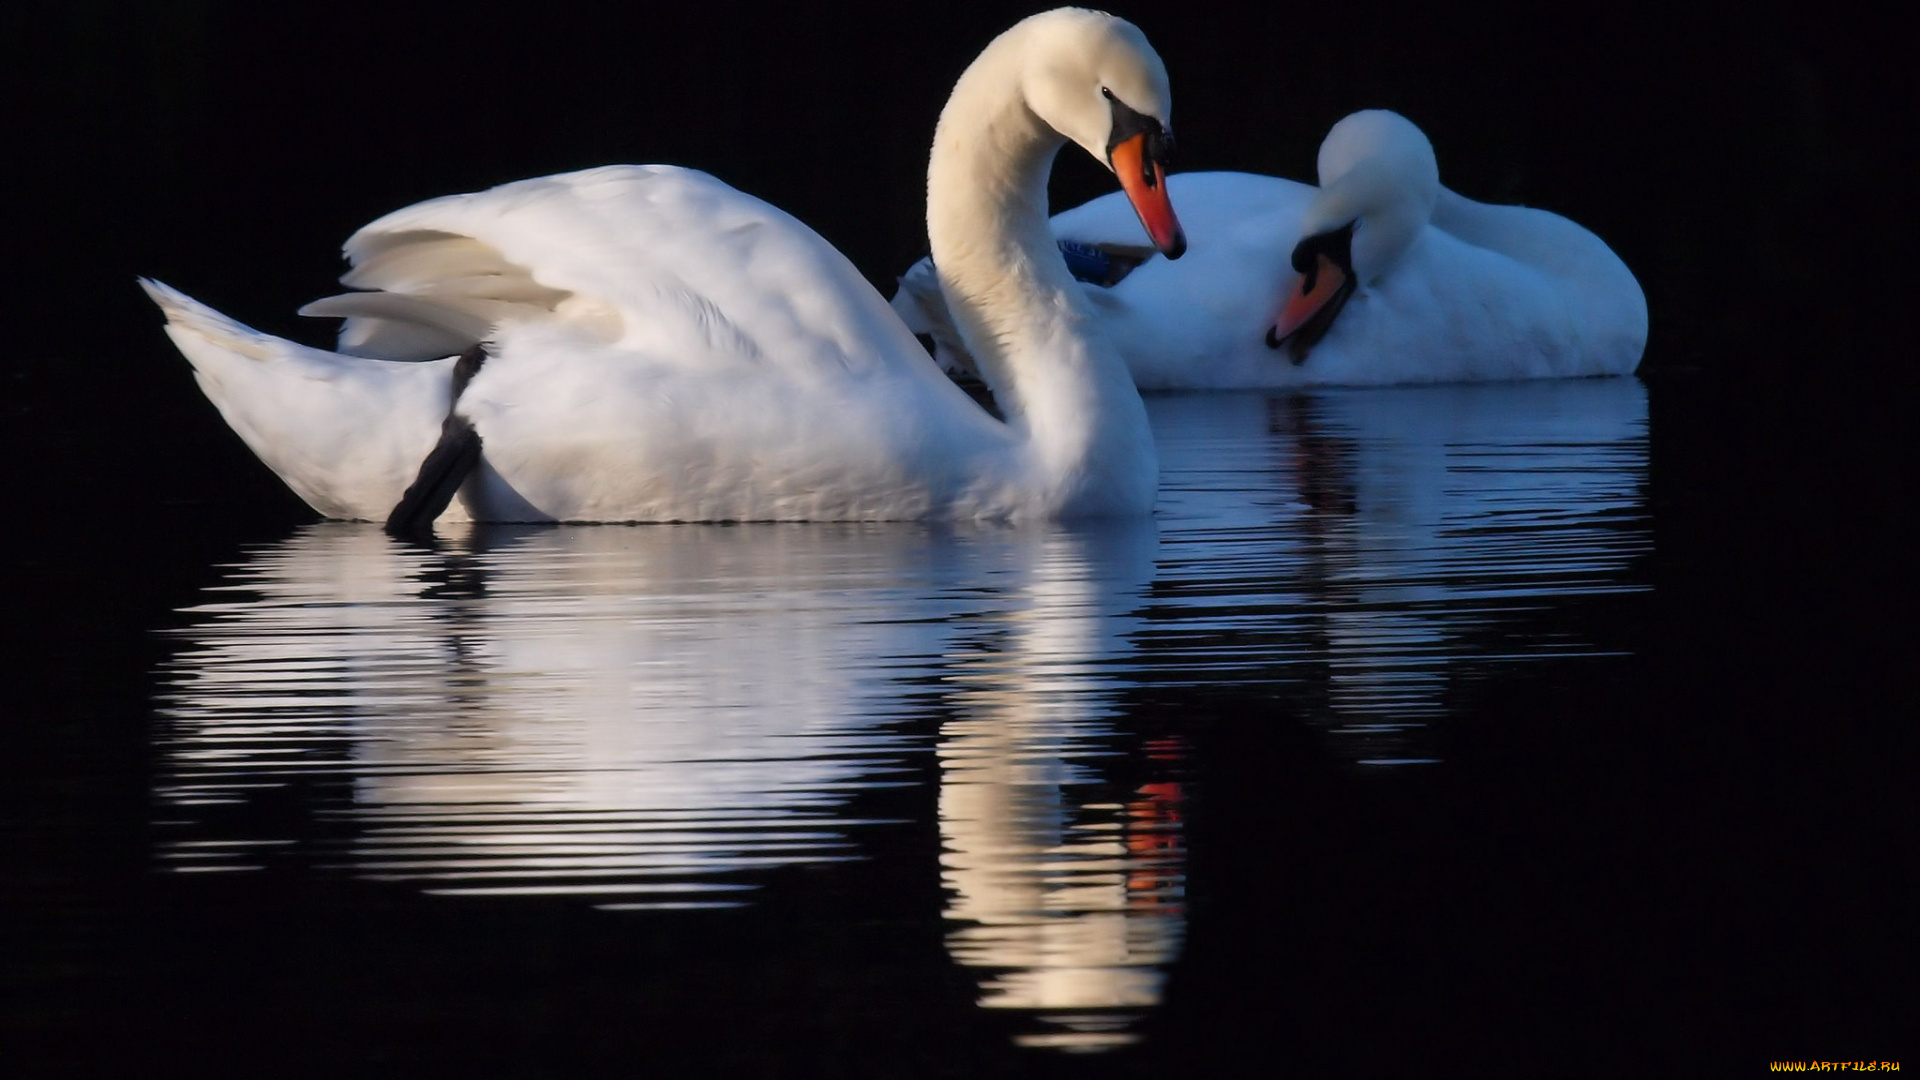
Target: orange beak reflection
1304,303
1146,186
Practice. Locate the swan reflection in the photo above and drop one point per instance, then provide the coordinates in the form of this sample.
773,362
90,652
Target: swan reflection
655,717
601,711
1070,897
1367,555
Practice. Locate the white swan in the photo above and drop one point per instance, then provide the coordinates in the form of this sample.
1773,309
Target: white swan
1412,283
661,347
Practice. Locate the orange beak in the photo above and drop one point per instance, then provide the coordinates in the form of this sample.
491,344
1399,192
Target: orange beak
1146,186
1304,302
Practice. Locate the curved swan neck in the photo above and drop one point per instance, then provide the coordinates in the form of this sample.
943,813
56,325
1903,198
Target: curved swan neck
987,216
1377,170
1023,318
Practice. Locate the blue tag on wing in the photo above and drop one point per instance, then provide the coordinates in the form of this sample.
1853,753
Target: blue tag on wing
1096,265
1086,262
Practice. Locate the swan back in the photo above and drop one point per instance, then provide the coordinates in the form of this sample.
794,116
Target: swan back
1603,299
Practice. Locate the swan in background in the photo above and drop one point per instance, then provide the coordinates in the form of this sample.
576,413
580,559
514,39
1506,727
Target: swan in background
645,343
1378,276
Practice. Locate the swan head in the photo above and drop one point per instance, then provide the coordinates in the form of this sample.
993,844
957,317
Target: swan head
1379,182
1093,78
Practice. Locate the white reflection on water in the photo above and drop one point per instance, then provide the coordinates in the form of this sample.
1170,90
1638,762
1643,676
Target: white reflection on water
1073,906
606,711
653,717
1377,548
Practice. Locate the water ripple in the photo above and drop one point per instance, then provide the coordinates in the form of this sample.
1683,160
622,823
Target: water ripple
654,718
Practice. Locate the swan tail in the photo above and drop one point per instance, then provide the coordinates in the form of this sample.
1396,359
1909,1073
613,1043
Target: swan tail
344,432
192,319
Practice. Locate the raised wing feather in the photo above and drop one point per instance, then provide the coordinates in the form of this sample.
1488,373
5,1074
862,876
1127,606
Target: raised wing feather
659,260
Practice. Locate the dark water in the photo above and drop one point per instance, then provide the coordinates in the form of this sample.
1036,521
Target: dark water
1423,730
1557,730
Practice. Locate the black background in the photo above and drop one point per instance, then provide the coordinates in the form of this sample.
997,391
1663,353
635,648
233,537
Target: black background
1745,163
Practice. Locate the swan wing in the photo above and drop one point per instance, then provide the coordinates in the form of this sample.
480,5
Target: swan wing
664,347
652,260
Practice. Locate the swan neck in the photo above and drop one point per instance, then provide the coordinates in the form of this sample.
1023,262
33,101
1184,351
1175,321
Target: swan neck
1388,207
987,215
1023,317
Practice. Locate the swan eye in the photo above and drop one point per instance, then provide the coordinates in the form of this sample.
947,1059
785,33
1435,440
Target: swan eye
1106,93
